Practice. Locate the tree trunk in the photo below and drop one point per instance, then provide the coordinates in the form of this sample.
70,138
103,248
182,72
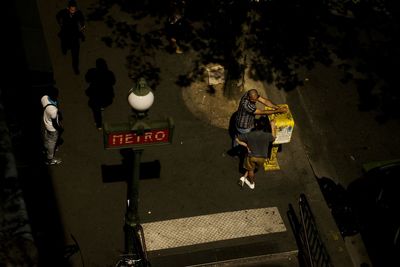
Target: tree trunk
236,58
234,84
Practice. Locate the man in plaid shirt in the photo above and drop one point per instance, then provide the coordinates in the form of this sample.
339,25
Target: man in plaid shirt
248,110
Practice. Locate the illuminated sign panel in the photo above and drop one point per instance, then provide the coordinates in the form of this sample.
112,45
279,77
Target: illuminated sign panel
138,134
132,138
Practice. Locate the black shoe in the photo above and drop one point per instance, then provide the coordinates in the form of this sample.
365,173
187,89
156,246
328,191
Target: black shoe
232,152
236,151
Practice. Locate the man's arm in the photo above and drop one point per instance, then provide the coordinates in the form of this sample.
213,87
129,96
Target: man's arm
269,103
243,144
269,111
56,124
56,119
81,21
59,18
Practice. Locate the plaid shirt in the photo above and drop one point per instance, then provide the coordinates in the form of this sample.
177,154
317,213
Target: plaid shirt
245,113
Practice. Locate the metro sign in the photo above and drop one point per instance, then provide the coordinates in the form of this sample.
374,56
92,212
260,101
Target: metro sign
123,136
125,139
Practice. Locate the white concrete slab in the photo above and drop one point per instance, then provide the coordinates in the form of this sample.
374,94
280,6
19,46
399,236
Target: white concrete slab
212,227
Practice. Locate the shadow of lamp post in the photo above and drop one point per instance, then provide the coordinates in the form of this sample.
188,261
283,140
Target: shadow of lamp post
137,133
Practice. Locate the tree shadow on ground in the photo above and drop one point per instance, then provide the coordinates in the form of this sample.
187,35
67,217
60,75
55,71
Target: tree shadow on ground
285,37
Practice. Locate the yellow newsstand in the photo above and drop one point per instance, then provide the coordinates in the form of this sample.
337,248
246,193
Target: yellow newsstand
284,124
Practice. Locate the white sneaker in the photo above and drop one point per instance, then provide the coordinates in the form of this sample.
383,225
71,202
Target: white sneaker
251,185
241,181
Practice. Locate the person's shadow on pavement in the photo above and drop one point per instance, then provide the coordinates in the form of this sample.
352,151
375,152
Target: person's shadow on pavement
100,91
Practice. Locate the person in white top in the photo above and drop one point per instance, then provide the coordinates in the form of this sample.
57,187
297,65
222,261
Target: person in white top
52,125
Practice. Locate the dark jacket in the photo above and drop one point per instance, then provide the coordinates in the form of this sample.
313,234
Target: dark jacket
70,24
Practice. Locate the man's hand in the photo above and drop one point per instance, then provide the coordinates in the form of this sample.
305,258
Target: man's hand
282,109
242,144
271,111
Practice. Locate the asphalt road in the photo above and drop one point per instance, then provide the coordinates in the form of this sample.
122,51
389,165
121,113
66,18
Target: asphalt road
337,136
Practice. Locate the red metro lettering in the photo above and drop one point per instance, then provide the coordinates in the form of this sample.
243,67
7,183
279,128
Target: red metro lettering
131,138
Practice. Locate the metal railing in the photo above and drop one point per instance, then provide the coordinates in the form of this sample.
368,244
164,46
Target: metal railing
312,252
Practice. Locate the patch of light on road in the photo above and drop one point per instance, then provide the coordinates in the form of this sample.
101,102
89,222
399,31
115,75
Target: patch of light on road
212,227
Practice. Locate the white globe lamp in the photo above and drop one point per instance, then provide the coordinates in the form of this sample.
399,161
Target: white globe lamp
140,97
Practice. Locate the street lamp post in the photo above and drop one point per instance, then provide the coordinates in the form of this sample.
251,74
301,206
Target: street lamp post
140,98
137,133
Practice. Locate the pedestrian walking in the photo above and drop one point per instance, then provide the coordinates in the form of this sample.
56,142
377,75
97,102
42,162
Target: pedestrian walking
52,127
257,144
248,110
100,91
72,24
175,26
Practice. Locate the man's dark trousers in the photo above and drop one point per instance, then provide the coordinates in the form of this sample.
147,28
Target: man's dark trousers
72,43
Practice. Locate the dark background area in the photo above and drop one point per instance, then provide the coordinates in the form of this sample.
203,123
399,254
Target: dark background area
26,73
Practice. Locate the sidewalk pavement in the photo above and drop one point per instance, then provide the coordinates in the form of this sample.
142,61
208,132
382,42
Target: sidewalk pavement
197,177
17,246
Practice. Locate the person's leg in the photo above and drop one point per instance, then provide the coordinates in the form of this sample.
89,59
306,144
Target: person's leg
249,166
64,47
251,177
243,178
178,49
172,42
75,55
50,141
256,162
63,42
